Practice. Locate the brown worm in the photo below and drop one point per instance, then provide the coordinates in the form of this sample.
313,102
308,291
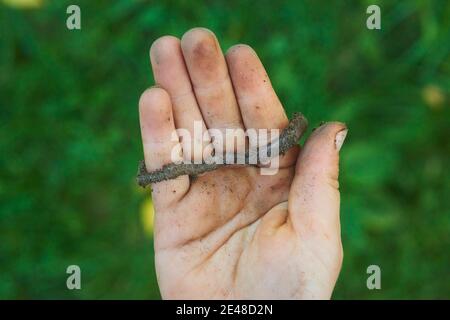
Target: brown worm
287,139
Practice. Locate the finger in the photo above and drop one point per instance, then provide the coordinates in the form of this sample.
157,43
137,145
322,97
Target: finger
157,129
170,73
211,82
259,105
314,196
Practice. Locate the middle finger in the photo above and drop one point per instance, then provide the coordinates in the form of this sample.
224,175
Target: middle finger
210,79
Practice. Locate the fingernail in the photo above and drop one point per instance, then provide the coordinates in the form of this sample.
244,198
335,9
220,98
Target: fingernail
340,138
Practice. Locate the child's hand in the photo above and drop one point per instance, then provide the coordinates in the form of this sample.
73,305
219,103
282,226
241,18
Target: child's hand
234,233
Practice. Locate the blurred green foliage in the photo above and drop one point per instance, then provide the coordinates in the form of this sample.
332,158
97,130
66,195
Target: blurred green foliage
70,140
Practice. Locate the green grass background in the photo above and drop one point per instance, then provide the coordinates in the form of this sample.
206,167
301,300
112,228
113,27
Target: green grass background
70,140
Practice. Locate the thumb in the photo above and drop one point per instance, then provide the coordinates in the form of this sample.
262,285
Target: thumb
314,195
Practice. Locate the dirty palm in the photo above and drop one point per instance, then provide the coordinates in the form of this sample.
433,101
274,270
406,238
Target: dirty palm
234,233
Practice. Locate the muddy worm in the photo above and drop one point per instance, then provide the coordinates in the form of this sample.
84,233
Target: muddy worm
287,139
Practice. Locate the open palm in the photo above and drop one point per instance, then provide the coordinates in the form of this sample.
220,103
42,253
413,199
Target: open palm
234,233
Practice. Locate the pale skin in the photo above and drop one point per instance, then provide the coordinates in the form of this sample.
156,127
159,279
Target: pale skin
234,233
